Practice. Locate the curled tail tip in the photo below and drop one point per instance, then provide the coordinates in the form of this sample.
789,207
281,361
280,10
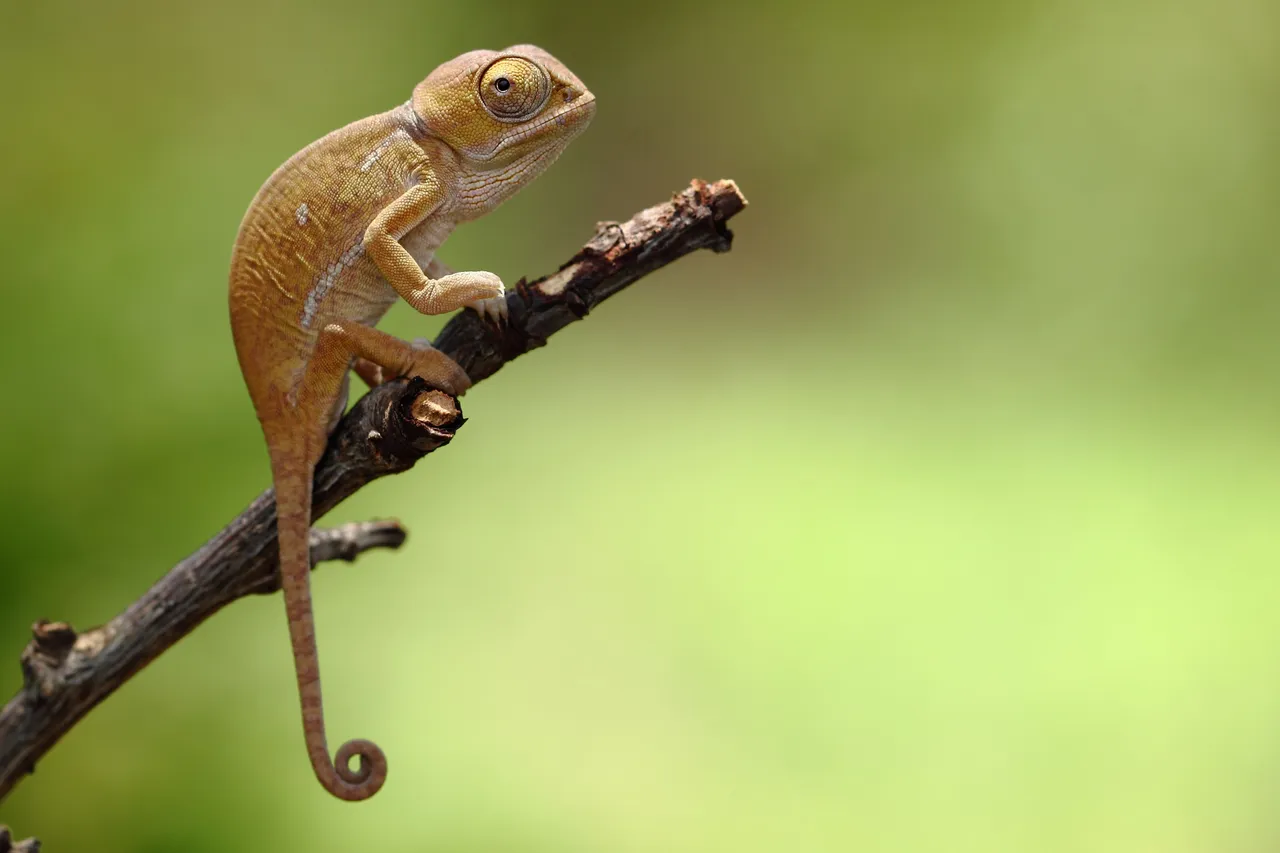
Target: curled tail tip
367,779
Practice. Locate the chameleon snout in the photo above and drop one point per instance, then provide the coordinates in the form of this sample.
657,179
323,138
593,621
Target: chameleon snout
580,106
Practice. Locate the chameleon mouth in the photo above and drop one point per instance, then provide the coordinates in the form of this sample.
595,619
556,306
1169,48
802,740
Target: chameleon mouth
580,110
573,115
583,105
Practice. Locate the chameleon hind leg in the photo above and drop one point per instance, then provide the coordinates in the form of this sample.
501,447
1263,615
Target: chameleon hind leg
371,372
373,375
378,357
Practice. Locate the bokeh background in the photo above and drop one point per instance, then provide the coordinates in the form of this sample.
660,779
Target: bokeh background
939,515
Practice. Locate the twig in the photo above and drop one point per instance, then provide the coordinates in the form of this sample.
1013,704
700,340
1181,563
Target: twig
65,673
350,540
8,845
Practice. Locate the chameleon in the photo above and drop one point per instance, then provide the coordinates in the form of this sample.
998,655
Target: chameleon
335,236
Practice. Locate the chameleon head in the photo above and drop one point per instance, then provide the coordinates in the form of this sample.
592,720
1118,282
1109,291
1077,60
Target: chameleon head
498,108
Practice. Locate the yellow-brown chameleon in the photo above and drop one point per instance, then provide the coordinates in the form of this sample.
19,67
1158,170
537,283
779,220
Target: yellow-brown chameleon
331,240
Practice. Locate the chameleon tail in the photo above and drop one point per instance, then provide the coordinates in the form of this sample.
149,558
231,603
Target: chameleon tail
292,477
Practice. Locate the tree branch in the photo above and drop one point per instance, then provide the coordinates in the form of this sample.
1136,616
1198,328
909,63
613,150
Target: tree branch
65,673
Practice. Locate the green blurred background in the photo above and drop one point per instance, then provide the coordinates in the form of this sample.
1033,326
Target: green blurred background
955,529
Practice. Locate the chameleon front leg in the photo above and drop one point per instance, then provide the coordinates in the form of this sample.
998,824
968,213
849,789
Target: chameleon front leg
382,244
437,268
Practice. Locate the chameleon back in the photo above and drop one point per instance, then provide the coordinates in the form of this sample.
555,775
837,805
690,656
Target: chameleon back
299,260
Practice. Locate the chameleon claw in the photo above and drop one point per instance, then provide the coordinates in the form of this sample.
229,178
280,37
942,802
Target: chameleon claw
493,309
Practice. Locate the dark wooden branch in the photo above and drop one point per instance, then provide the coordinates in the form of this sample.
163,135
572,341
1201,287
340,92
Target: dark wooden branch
65,673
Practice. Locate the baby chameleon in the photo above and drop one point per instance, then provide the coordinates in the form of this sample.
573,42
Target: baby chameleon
340,231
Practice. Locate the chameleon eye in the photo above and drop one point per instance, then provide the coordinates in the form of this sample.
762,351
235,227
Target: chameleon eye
513,89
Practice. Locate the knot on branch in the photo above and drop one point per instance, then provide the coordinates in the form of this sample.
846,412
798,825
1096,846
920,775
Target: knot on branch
8,845
431,417
405,419
724,200
51,646
52,641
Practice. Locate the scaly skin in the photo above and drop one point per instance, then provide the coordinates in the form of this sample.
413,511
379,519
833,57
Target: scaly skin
340,231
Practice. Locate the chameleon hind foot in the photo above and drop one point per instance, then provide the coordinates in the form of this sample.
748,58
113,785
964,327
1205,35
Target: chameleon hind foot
438,369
